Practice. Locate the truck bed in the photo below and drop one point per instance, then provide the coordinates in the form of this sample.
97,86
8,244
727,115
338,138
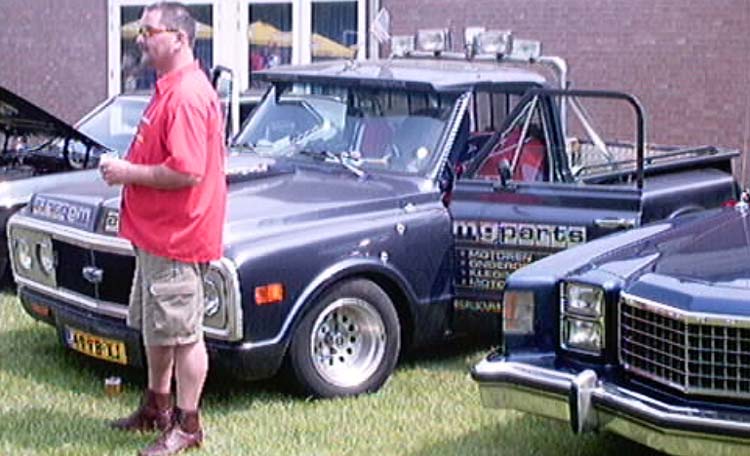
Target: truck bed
590,164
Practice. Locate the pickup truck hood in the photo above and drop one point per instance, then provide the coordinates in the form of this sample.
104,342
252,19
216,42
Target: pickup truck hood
302,194
269,196
20,116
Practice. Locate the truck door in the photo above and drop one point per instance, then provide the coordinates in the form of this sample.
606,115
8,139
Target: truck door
517,200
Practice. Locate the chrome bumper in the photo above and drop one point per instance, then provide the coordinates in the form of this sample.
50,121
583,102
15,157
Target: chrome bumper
590,404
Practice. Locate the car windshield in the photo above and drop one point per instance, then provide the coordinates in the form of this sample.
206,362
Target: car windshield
372,129
114,125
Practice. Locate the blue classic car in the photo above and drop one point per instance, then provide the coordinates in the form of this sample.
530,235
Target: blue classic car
645,334
373,207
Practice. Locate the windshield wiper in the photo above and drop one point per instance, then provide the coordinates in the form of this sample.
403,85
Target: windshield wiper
342,159
243,146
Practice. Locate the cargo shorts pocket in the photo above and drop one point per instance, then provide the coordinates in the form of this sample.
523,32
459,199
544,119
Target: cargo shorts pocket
176,311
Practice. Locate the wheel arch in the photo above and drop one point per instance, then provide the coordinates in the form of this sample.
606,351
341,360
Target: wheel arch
383,275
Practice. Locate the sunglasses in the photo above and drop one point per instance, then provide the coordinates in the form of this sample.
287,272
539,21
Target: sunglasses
149,31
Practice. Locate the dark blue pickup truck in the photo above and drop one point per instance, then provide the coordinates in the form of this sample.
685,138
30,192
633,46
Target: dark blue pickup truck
644,333
374,207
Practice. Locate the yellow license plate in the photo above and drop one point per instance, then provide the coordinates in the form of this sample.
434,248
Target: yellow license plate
98,347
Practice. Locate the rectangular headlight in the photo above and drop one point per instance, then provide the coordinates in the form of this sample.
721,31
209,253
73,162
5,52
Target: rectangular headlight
583,335
518,312
582,299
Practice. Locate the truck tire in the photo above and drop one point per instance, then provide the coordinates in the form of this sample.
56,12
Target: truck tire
347,343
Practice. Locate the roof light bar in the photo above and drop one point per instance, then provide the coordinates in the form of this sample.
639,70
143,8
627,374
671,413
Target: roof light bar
495,42
529,50
433,40
402,45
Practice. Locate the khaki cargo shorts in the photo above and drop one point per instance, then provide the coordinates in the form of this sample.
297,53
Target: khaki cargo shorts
166,300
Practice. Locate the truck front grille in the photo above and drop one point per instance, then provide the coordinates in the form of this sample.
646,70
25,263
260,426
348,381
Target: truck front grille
695,353
116,278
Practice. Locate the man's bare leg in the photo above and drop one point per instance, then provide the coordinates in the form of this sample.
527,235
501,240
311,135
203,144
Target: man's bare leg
191,367
161,361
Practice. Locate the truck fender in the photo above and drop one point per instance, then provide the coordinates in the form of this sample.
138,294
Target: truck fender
383,274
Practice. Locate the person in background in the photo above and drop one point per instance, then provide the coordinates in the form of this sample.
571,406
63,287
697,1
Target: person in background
173,206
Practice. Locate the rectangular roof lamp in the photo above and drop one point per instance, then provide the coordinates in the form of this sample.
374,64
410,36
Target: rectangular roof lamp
402,45
526,50
435,41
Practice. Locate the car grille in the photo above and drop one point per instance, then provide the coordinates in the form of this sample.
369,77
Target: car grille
116,278
696,354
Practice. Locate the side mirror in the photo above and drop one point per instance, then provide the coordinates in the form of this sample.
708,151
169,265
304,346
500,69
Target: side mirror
222,78
446,183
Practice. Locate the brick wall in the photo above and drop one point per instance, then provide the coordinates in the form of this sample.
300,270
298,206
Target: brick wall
687,60
54,53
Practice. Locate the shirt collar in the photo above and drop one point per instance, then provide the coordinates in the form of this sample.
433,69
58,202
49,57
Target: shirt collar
169,79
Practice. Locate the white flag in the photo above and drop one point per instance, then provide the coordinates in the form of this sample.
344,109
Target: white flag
381,26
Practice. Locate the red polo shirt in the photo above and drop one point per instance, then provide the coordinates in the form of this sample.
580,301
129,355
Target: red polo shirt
182,128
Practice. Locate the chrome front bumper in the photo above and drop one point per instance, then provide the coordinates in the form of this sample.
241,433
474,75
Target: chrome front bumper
590,404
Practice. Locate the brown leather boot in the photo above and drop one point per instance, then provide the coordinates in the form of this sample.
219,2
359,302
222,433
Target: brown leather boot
155,413
185,433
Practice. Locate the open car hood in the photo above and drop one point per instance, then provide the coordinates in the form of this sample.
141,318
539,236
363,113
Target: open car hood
19,116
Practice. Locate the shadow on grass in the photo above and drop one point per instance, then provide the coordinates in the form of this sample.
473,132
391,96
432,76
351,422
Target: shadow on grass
44,430
458,353
525,434
35,354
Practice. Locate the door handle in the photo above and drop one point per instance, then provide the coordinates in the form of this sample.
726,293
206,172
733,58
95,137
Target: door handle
614,223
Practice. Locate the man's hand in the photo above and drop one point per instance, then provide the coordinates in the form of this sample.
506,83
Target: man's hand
114,171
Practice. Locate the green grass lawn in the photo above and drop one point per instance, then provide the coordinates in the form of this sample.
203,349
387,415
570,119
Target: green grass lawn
52,402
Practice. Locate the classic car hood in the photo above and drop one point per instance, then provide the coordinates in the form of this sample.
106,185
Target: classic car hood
712,247
20,116
715,250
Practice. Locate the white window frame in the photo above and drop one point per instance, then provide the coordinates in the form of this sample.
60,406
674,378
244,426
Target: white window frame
230,25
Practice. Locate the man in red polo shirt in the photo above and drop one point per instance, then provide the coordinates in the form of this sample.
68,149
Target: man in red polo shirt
173,205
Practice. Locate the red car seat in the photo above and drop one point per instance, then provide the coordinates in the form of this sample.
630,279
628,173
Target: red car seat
531,165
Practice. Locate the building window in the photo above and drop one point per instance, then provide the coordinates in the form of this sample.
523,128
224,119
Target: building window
334,30
269,36
275,32
134,75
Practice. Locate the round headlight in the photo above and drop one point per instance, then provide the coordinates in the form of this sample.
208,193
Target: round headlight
23,253
211,297
46,256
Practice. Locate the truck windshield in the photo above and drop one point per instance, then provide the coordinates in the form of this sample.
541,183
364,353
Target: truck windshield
373,129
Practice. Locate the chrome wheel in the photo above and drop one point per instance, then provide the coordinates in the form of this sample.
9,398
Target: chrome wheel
347,342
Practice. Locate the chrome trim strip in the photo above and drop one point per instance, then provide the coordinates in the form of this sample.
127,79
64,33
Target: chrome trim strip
107,308
80,238
523,387
710,319
455,120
